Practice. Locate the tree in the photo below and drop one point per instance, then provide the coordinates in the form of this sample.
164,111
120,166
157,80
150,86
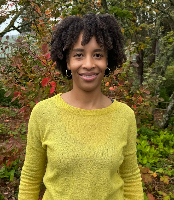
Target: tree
144,23
165,121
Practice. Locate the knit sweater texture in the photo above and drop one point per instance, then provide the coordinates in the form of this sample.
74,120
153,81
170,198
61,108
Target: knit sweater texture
81,154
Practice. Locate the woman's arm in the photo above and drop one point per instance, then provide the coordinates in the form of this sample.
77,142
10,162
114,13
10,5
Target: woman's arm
129,170
35,160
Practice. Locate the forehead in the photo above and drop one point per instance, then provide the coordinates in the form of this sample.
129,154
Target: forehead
91,44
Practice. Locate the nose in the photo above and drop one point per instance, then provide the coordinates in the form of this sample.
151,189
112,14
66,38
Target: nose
88,62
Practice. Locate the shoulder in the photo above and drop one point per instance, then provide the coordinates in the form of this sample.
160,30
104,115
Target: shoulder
126,111
44,107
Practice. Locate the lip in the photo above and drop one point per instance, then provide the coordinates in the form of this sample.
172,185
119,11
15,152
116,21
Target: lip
89,74
88,79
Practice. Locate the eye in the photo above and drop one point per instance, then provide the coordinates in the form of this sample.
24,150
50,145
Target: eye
98,55
78,55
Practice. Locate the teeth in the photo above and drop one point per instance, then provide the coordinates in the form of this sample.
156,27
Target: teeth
89,76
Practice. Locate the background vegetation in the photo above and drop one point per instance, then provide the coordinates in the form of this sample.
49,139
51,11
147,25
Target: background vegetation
145,82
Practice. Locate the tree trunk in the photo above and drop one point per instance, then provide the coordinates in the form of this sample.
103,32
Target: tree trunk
139,60
153,52
104,4
167,115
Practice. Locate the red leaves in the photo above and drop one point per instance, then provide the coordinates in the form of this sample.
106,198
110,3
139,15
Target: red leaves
8,163
53,84
52,90
44,48
22,109
47,56
134,106
111,88
150,196
16,94
45,81
17,62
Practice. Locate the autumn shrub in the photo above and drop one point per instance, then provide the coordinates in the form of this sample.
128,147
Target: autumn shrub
30,76
6,101
33,78
138,97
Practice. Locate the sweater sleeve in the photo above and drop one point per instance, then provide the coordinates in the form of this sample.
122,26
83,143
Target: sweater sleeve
129,170
35,160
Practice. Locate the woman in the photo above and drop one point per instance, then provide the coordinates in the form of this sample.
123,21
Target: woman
87,141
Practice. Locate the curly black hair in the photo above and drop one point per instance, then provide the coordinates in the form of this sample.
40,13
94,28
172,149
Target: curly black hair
103,26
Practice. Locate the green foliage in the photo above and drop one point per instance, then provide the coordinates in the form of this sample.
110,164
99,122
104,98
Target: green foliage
153,145
6,101
1,197
171,121
8,112
169,82
11,171
3,129
120,12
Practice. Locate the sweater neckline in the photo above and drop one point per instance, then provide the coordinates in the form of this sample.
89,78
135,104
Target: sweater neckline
76,110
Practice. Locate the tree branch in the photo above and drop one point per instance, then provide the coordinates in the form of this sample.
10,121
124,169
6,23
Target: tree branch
8,28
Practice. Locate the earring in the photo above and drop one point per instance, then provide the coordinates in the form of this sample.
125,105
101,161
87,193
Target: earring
107,73
67,75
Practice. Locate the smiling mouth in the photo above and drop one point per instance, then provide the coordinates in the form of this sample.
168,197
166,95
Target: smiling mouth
89,75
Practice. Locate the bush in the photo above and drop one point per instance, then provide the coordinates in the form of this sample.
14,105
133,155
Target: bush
153,145
6,101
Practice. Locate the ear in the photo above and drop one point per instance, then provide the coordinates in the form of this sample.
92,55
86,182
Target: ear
68,66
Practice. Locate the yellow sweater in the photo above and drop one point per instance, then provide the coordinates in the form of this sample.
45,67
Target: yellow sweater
88,154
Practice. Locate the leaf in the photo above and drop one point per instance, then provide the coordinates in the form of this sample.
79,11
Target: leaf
7,37
43,62
8,163
107,84
150,196
53,84
45,81
44,48
16,94
47,56
165,179
12,174
52,90
155,174
13,99
7,93
111,88
22,109
166,198
144,170
146,178
147,91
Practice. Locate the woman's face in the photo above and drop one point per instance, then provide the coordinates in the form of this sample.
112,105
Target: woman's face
87,59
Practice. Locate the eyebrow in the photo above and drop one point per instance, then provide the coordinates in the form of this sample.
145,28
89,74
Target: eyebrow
82,50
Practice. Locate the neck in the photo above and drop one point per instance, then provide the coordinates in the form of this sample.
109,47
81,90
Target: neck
89,100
